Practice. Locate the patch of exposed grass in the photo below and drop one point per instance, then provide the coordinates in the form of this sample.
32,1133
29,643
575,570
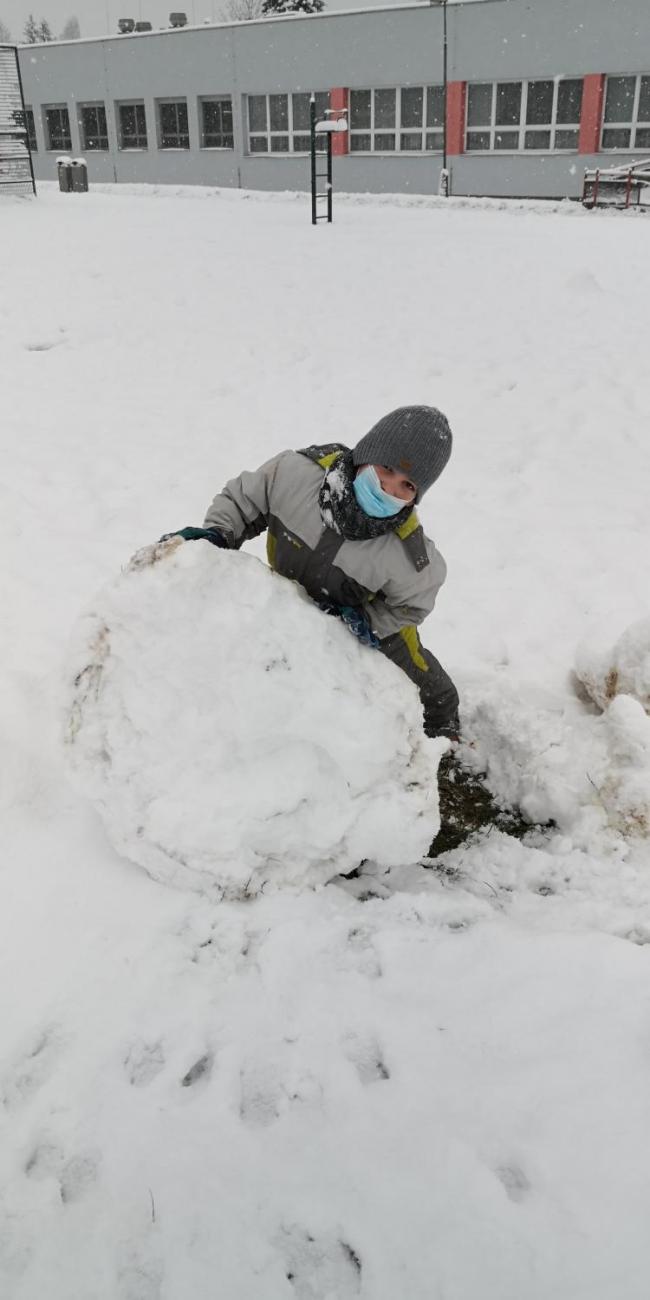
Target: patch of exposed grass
466,806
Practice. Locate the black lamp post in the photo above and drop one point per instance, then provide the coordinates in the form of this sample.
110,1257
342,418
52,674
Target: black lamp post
444,84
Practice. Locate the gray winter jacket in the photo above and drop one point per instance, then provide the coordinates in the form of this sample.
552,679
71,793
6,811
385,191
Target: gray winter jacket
394,578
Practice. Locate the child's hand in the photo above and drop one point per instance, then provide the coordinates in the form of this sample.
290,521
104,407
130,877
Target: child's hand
198,534
358,624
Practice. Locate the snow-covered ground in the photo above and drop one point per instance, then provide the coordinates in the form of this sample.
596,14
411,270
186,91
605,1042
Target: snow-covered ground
441,1093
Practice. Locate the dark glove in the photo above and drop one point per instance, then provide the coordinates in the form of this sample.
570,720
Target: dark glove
358,624
196,534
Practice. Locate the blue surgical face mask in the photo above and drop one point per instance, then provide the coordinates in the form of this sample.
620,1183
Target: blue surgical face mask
371,496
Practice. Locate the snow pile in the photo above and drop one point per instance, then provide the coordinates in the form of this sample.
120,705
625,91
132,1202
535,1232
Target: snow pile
626,789
588,775
457,202
621,670
234,737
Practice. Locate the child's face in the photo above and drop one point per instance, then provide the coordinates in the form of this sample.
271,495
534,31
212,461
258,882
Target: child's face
395,483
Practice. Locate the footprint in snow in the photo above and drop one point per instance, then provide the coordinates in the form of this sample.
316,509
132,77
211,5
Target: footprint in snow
218,946
363,953
32,1070
515,1182
319,1267
264,1096
143,1062
200,1071
639,934
75,1174
44,345
365,1054
252,943
262,1099
139,1278
77,1177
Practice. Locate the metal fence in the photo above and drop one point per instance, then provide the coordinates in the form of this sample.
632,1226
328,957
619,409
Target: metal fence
16,170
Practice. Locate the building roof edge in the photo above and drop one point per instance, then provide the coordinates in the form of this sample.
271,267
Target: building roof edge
253,22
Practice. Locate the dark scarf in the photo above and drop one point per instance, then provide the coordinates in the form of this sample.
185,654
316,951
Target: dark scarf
340,510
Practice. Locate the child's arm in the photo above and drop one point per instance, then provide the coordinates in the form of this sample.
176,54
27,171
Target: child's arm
241,510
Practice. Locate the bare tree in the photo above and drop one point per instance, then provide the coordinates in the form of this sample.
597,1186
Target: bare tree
241,11
72,30
34,33
293,6
30,31
5,34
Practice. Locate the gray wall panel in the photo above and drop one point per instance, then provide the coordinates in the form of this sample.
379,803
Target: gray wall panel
509,176
521,38
502,177
414,175
417,175
393,46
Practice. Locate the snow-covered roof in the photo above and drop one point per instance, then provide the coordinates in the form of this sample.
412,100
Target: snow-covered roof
256,22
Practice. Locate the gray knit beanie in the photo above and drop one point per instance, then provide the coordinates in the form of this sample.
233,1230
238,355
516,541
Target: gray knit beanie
414,439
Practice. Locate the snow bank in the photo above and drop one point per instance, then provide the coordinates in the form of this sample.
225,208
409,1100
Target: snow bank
234,737
626,788
540,207
623,669
559,763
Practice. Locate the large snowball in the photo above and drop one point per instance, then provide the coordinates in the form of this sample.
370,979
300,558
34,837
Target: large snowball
234,737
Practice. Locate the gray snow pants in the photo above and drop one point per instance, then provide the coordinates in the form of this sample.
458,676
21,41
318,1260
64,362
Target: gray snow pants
437,691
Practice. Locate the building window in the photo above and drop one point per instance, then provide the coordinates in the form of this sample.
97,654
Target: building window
94,128
543,116
31,130
409,119
57,129
132,122
281,123
627,113
216,124
173,126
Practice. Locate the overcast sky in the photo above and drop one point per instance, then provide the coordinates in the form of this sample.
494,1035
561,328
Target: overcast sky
97,17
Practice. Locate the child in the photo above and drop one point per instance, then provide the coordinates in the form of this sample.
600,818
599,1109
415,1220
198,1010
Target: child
342,523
